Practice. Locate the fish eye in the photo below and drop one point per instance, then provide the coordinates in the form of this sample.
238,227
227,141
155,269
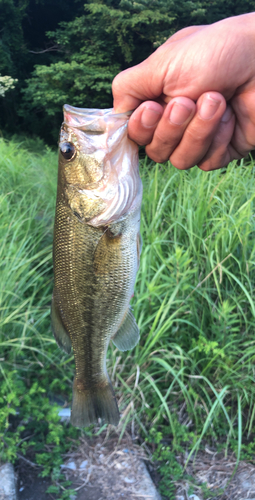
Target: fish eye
67,150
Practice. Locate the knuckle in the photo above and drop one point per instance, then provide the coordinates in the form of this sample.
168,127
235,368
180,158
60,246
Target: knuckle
196,135
209,164
206,167
200,134
167,138
117,84
216,161
162,138
160,148
140,139
180,164
155,156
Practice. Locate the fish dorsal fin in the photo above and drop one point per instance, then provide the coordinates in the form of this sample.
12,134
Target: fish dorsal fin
127,335
62,338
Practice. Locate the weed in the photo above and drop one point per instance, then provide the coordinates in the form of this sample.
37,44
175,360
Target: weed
194,303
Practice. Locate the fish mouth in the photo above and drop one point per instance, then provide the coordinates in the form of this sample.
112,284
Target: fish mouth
91,120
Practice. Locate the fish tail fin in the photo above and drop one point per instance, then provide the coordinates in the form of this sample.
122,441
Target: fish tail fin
96,402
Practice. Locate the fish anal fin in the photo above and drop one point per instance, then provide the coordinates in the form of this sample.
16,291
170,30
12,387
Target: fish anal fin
127,335
61,336
90,404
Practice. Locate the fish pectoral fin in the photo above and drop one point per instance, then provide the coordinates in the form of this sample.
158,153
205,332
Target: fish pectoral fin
127,335
107,247
62,338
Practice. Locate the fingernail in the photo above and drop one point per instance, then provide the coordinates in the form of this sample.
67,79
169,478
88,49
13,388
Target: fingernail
227,115
209,107
150,117
179,114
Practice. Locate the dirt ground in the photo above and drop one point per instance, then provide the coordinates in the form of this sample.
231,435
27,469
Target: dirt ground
32,486
36,487
102,469
218,473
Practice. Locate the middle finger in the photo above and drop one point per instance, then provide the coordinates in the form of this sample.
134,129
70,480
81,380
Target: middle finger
200,133
169,131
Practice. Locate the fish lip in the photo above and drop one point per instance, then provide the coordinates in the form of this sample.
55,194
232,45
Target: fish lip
95,111
83,118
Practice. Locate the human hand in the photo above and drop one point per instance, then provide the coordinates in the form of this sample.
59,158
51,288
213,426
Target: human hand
206,65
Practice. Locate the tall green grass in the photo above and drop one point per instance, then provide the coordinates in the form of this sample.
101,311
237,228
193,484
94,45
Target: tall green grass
194,299
27,203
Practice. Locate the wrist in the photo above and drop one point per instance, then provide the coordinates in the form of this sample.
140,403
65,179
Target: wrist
238,33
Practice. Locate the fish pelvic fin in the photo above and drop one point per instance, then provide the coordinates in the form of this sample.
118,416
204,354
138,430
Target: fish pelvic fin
90,404
127,335
61,336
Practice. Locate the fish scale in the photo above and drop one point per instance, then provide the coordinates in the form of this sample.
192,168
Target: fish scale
96,254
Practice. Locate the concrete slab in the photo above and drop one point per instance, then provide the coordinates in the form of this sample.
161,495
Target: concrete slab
7,483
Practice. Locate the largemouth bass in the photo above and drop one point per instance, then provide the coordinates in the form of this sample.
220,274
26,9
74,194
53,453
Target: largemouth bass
96,252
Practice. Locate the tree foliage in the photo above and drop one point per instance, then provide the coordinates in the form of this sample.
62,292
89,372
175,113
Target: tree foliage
12,43
73,54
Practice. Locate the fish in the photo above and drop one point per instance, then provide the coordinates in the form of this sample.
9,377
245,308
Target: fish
96,253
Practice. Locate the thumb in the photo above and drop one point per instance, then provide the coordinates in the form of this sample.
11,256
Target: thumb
146,80
135,85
